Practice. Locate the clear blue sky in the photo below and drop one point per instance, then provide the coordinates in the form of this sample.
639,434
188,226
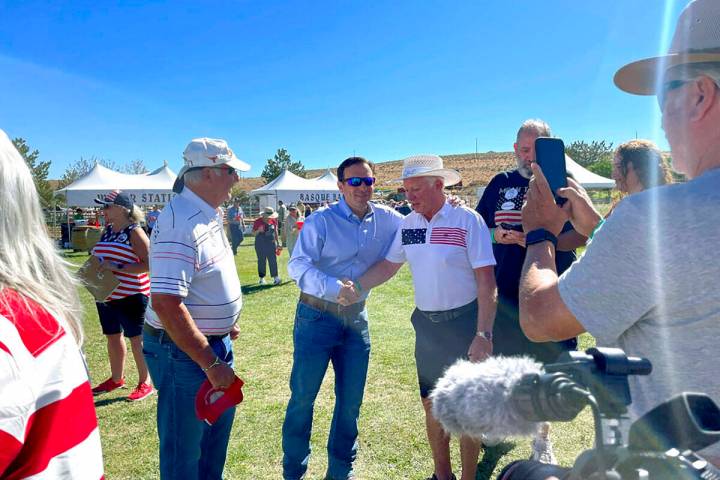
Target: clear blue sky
323,79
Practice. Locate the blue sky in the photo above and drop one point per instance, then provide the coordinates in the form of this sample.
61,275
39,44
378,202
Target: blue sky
323,79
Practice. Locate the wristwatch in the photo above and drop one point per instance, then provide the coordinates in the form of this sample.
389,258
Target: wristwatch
540,235
486,335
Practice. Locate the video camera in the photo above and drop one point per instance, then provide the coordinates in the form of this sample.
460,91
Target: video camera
660,444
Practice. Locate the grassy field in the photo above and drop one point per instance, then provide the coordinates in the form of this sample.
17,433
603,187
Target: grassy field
392,432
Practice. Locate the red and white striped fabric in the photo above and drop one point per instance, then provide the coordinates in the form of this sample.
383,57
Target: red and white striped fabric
48,426
115,247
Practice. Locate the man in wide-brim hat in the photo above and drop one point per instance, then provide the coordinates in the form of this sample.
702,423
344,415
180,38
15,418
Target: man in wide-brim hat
654,294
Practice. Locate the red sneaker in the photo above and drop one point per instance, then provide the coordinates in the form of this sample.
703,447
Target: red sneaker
108,386
143,390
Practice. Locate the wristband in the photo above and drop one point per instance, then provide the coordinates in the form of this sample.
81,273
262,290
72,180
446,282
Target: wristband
597,227
215,363
358,287
486,335
492,235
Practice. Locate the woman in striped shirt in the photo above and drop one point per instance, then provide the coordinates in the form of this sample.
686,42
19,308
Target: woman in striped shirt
123,250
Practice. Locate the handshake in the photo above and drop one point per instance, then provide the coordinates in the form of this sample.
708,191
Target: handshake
348,294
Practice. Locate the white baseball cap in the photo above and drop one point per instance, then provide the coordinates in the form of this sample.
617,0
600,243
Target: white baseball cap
428,166
207,152
696,40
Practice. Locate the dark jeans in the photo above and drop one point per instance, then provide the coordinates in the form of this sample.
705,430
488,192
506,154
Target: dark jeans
236,237
189,447
266,255
321,338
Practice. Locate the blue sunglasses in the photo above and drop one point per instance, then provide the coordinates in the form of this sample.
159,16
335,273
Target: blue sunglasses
357,181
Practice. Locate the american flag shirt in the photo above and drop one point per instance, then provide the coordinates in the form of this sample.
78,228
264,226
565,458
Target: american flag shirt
442,253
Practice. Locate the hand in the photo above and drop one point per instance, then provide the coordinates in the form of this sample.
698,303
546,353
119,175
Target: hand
221,376
579,208
540,209
235,332
509,237
348,294
455,201
480,349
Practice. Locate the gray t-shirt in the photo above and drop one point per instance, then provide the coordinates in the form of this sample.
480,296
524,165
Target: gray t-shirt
648,283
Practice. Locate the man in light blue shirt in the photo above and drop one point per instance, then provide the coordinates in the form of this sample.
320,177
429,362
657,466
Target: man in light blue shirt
337,243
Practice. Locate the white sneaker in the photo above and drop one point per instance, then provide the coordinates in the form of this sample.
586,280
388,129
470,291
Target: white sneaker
262,281
277,281
542,451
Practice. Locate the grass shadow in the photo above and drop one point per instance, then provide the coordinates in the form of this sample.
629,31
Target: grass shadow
491,457
109,401
257,288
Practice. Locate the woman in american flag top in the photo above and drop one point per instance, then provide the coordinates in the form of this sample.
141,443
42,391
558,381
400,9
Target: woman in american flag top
123,252
48,426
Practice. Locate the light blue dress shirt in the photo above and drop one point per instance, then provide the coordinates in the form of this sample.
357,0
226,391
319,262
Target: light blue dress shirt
335,244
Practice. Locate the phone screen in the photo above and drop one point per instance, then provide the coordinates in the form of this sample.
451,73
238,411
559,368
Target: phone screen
550,155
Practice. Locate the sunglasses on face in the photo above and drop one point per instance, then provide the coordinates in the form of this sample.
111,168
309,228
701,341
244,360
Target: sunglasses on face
357,181
668,87
229,170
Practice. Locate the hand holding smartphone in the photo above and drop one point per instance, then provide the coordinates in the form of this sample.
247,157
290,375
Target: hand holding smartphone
550,155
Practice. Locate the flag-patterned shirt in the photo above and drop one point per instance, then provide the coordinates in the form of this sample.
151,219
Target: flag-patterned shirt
443,253
48,426
115,247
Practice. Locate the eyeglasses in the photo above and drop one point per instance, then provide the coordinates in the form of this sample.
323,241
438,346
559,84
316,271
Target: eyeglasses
668,87
229,170
357,181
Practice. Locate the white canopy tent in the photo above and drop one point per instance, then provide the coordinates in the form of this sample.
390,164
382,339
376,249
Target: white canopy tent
586,178
154,188
291,188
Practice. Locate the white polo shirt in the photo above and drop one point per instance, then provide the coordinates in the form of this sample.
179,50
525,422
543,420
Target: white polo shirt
442,254
190,257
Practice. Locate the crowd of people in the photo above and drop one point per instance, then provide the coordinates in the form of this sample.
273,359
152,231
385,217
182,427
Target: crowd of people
500,279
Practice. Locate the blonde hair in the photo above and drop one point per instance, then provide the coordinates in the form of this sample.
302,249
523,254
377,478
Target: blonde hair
29,262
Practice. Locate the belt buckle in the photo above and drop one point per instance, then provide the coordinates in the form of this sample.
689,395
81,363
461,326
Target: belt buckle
436,317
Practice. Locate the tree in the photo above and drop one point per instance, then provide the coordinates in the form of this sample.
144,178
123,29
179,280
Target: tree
280,162
84,165
38,169
587,154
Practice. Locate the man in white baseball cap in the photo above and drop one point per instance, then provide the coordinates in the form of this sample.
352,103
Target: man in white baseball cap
207,152
195,305
451,259
653,292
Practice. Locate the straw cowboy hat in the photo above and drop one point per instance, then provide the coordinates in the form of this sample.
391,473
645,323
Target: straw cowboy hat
428,166
269,212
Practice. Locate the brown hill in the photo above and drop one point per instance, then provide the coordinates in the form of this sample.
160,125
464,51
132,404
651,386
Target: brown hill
476,170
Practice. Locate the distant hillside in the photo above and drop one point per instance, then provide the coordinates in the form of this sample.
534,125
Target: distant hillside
476,170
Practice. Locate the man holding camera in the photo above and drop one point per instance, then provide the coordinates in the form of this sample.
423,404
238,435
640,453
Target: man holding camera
651,292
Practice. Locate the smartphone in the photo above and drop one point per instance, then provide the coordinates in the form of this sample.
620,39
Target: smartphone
512,226
550,155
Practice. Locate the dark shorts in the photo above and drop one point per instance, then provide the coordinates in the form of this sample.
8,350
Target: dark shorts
441,338
125,315
509,339
532,470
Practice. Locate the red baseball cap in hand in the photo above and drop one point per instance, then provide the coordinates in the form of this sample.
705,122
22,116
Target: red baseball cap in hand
211,403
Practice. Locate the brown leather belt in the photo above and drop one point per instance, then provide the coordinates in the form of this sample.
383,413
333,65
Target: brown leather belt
156,332
331,307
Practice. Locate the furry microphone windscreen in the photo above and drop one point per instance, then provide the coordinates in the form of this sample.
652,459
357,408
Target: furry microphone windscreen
473,399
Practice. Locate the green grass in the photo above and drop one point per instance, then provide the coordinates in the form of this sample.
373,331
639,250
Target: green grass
392,432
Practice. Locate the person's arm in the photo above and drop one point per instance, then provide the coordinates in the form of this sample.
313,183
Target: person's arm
379,273
482,347
178,323
275,231
570,240
543,314
141,247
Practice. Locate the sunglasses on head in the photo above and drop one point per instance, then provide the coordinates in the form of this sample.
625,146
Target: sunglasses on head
357,181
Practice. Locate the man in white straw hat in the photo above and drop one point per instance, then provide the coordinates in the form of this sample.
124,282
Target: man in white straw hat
451,260
195,304
653,293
